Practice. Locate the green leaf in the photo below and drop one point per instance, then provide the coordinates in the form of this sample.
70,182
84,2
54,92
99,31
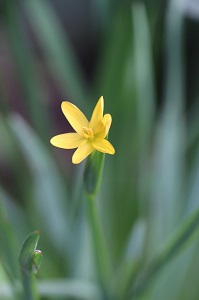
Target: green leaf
183,237
144,73
49,188
29,75
56,47
7,242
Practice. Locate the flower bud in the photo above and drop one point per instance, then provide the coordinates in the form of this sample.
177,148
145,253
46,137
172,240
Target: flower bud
29,257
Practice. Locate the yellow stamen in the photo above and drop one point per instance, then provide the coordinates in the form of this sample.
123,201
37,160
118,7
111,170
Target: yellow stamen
87,132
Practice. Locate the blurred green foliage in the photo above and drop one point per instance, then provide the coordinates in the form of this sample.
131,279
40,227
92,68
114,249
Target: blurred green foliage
142,56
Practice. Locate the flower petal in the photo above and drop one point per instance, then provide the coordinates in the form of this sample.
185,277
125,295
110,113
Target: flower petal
103,145
67,140
74,116
82,152
105,126
97,115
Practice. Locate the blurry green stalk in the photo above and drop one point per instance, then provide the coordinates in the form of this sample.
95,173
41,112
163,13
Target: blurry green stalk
92,180
30,261
30,287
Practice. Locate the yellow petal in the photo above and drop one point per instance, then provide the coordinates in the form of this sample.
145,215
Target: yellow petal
103,145
82,152
105,126
74,116
97,115
67,140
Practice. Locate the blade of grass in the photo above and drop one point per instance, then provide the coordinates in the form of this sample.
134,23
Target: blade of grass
14,160
183,237
8,249
57,49
15,214
144,73
50,196
131,260
28,74
168,195
189,288
145,96
169,150
114,51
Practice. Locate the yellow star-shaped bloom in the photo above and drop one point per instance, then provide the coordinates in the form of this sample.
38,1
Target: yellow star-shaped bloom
89,136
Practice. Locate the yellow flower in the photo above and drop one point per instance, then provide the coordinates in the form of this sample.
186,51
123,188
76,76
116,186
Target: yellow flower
89,136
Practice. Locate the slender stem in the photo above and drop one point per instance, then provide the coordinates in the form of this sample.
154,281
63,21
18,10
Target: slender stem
92,181
101,254
30,287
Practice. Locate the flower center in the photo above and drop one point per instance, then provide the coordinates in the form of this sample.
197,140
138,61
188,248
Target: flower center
87,132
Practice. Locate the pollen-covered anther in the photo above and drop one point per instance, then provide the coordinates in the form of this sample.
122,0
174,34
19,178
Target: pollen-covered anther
87,132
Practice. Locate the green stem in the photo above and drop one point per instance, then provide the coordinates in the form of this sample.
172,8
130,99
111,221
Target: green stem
30,261
30,287
92,181
101,255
